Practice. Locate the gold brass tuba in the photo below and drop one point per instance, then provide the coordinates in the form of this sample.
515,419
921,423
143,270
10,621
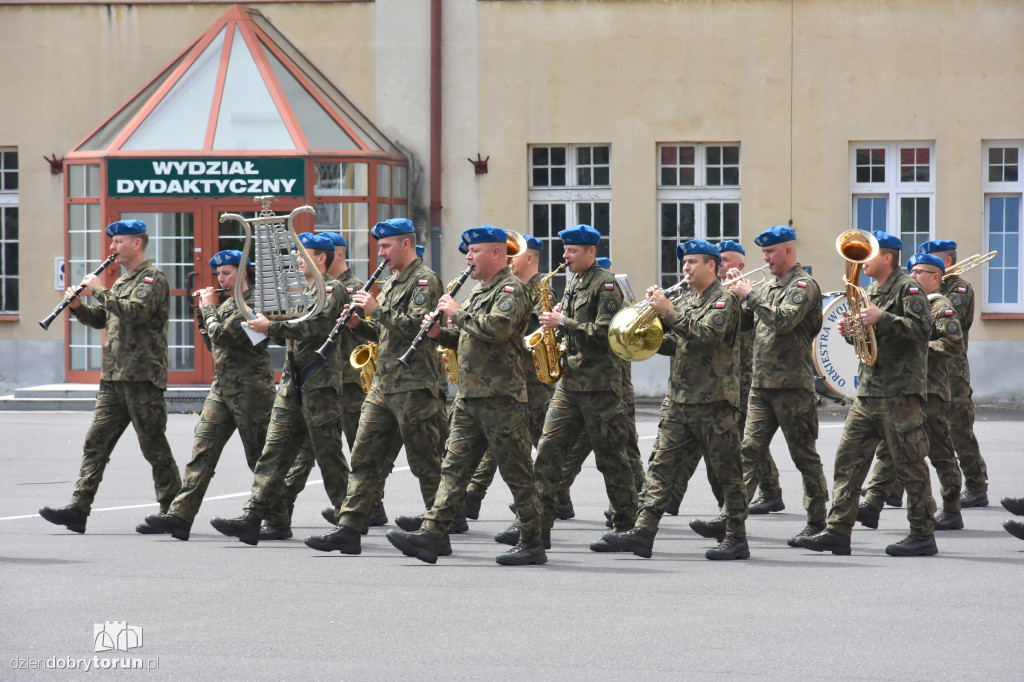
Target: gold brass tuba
857,248
542,344
635,333
364,358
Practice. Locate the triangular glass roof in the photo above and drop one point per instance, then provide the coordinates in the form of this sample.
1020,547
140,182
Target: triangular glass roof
242,86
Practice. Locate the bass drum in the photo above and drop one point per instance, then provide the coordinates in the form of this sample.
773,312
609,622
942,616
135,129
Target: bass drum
835,362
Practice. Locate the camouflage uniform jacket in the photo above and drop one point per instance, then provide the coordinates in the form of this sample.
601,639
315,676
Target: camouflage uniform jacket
902,339
134,314
947,342
238,365
305,338
961,295
403,301
590,302
488,333
534,386
346,341
788,317
706,329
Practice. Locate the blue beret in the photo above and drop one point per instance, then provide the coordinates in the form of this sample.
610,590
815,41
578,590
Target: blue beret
730,245
229,257
392,227
125,227
463,247
776,234
335,238
605,263
926,259
888,241
533,243
937,245
695,246
485,234
318,242
580,234
420,250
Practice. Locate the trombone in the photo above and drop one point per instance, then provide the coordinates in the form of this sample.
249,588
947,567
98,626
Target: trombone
968,263
759,282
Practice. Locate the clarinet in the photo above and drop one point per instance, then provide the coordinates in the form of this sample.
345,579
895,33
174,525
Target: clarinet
332,338
432,317
45,324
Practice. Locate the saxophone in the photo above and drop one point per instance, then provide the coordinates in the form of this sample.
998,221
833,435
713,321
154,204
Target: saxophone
542,344
449,356
364,358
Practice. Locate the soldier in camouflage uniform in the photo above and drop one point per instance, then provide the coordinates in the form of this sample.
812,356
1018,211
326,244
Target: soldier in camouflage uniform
241,395
946,342
277,526
889,407
702,407
490,411
133,314
525,266
788,318
402,404
306,407
961,406
590,394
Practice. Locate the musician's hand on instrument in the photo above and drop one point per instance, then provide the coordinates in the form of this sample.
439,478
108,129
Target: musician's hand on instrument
90,283
207,297
651,289
366,301
261,324
353,320
73,303
551,320
871,315
448,305
741,287
659,302
434,325
843,326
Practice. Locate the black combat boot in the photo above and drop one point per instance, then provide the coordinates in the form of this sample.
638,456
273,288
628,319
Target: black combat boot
564,511
826,541
168,523
715,528
343,539
914,545
673,506
330,515
523,554
409,524
1014,505
69,516
378,517
275,532
868,515
473,502
894,500
509,536
1014,528
809,530
459,525
639,541
729,548
245,527
973,499
764,505
421,544
146,529
949,521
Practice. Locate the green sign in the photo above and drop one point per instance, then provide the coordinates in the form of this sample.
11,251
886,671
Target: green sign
206,177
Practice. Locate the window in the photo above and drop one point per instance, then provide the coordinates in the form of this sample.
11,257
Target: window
698,198
893,189
9,231
1003,187
569,185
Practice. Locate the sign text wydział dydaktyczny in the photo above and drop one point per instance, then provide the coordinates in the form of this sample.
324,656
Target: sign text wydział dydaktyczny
205,177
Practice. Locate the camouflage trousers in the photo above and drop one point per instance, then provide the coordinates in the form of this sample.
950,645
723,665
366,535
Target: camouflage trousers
684,432
602,415
294,423
940,452
350,401
900,422
385,423
794,411
496,425
249,414
582,449
961,431
119,403
539,399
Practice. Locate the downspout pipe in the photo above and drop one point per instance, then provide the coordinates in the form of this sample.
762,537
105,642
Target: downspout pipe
435,135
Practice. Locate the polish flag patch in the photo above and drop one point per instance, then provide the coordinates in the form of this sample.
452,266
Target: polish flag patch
801,284
147,280
510,289
948,312
329,289
610,286
962,290
720,304
913,290
349,289
423,282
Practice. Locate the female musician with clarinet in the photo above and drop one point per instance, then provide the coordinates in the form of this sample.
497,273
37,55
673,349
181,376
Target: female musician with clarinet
133,313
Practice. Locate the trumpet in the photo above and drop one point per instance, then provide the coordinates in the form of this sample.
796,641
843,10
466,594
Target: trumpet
857,248
636,332
968,263
762,279
364,358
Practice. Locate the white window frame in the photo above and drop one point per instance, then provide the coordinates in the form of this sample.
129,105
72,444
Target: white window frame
1002,190
701,195
893,188
10,198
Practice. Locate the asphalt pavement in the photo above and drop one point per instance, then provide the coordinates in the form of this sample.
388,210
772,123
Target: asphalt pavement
213,608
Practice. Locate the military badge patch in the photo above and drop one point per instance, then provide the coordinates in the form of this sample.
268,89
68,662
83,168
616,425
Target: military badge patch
609,286
510,289
952,328
718,319
799,298
329,289
423,282
948,312
147,280
142,293
801,284
962,290
913,290
419,299
505,306
349,289
611,306
957,301
720,304
917,306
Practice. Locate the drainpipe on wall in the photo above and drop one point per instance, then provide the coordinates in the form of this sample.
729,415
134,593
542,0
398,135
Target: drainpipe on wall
435,135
